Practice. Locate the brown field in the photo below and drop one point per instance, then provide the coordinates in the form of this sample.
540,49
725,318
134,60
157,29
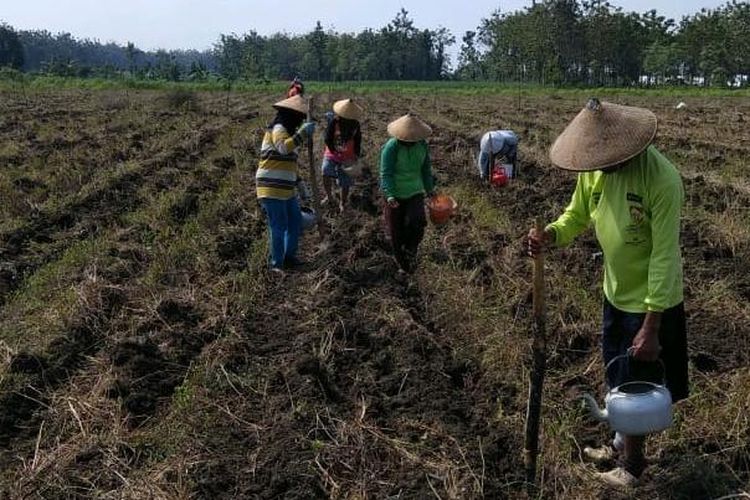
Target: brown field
146,353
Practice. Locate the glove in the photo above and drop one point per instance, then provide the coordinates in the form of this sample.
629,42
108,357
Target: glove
307,129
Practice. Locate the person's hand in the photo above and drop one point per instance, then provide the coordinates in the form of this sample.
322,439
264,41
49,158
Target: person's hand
536,241
392,203
307,129
646,345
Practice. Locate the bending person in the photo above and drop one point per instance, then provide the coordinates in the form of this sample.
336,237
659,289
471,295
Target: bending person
497,144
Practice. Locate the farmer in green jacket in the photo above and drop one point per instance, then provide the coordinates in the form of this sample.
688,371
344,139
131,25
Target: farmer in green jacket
632,195
405,179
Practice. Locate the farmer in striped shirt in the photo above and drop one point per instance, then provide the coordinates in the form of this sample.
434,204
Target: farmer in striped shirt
277,178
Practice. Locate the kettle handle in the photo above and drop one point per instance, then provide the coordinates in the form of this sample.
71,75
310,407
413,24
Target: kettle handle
629,354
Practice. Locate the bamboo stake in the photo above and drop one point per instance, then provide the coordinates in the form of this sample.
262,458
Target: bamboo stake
539,362
314,173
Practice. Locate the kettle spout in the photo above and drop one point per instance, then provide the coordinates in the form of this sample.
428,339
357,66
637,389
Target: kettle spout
590,403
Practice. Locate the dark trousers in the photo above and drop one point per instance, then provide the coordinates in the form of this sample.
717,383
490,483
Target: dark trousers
405,226
618,332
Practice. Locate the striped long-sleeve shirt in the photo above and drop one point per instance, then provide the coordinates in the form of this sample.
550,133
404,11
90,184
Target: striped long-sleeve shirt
277,171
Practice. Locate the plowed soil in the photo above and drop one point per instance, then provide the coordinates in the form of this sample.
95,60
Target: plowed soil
146,351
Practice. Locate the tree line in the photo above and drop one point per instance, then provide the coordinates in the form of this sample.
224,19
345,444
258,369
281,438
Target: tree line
398,51
551,42
61,54
591,42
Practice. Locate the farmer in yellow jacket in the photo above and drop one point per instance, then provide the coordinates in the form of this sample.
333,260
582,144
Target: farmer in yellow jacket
632,195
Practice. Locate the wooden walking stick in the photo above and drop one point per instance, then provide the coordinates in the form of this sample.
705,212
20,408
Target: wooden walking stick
539,362
313,173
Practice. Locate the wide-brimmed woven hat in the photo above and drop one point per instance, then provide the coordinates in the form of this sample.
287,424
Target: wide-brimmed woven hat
603,135
295,103
409,128
348,109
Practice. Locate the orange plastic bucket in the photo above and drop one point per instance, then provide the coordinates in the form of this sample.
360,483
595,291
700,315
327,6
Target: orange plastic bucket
441,208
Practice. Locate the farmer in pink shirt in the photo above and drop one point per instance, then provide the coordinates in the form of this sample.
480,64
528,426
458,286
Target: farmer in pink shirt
343,140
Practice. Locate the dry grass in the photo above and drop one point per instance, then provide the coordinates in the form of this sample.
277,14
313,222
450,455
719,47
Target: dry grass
343,381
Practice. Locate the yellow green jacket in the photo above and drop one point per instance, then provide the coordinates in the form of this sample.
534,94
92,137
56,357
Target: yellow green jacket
636,215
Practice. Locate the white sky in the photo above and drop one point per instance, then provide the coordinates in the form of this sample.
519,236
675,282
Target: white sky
196,24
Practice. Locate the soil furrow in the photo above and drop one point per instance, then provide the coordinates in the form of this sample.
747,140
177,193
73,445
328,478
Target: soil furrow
34,377
97,209
197,374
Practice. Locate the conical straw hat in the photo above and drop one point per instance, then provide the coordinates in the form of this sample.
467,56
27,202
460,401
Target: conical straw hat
348,109
409,128
295,103
603,135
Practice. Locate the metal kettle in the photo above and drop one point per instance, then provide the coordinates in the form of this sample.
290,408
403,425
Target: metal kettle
634,408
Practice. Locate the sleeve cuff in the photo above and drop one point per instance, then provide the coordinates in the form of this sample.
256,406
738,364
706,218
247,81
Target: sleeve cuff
551,229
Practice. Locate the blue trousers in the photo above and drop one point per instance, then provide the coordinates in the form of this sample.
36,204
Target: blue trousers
284,226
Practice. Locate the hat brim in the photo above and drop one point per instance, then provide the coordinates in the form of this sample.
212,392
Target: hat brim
409,128
294,103
603,138
348,110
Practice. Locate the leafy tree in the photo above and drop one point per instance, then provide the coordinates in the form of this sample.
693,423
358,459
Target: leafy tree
441,39
131,52
661,62
367,63
252,59
11,50
198,72
167,67
315,60
229,52
469,67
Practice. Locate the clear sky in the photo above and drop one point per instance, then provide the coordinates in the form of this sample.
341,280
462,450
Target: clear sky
196,24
